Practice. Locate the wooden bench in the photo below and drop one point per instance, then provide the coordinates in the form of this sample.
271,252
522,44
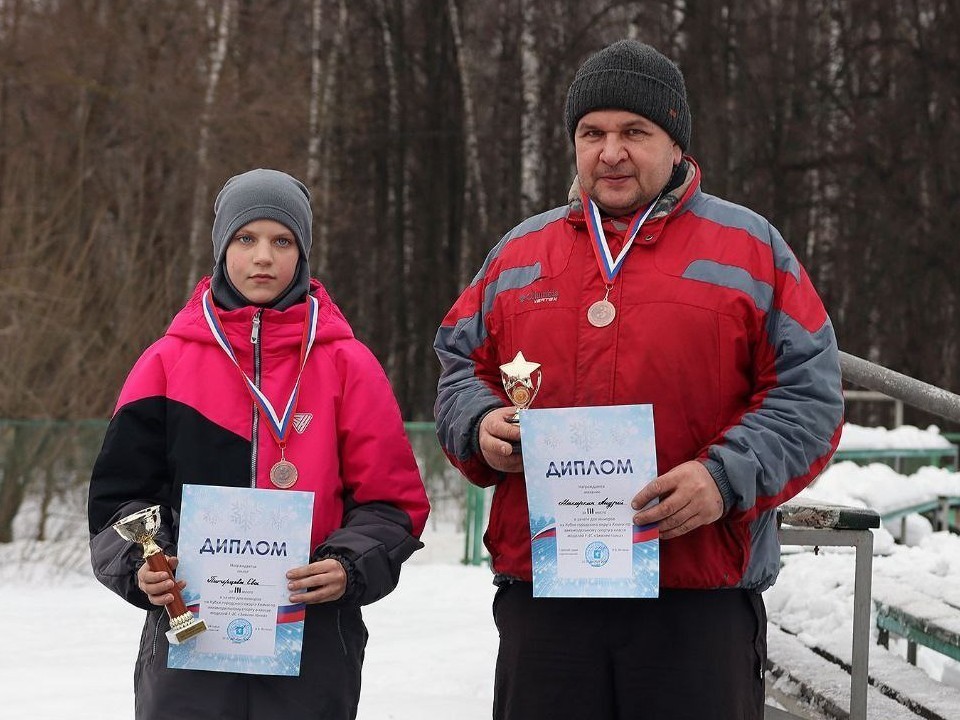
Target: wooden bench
823,524
810,685
901,459
938,509
812,682
921,621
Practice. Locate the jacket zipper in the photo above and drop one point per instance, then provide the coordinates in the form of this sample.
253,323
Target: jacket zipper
156,632
255,340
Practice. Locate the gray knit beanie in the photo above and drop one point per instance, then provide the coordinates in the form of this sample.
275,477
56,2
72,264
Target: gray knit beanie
261,195
630,75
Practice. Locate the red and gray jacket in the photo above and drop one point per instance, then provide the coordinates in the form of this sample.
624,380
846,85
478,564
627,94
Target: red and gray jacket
185,416
717,326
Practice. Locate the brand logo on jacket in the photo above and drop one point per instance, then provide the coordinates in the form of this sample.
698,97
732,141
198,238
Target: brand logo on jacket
541,296
300,422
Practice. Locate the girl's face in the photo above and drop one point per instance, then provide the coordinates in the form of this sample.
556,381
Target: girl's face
261,260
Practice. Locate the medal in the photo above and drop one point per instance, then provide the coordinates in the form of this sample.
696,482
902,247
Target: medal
601,313
284,473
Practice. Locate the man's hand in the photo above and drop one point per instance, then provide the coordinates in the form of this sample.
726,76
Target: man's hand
157,585
318,582
688,496
496,434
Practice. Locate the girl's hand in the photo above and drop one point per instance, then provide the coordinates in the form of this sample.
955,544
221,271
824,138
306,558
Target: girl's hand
157,585
318,582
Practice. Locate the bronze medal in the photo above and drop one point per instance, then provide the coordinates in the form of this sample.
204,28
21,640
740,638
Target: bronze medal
283,474
601,313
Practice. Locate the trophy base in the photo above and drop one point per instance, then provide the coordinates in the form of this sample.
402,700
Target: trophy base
184,627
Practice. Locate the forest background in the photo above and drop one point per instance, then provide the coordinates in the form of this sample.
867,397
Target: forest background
425,130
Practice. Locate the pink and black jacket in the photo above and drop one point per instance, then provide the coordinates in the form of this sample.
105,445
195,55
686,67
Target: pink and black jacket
185,417
717,326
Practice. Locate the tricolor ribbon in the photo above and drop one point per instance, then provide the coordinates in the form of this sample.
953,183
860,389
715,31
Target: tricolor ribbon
285,613
640,534
610,266
279,424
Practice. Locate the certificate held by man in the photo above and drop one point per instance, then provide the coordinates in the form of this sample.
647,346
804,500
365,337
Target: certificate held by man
235,548
583,466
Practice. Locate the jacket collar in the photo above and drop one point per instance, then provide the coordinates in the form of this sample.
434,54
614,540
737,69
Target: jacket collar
667,204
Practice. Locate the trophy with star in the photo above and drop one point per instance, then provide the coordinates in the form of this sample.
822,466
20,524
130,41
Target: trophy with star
521,380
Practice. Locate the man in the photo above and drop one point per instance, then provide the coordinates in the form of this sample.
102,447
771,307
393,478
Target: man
710,318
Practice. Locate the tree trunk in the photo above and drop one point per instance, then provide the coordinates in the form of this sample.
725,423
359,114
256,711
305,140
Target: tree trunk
531,119
217,54
475,193
323,79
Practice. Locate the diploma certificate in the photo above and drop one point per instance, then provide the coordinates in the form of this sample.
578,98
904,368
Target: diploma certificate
235,548
582,467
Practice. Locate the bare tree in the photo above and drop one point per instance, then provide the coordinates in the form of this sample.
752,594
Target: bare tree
323,77
531,119
425,131
215,57
476,195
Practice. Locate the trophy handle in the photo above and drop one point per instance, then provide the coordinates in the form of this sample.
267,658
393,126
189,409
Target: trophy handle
536,389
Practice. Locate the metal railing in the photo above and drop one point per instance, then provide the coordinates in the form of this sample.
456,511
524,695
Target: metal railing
818,529
837,526
911,391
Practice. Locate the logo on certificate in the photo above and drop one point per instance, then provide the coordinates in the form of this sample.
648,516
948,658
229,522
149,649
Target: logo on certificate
597,554
240,630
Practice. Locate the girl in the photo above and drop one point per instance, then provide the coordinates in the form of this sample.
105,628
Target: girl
199,407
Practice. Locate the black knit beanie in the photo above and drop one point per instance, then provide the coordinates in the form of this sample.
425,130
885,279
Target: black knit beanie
630,75
261,195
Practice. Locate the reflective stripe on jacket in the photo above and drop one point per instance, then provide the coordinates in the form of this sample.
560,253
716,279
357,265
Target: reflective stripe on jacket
717,326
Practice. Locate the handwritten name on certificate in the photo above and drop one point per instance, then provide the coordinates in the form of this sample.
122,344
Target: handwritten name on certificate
235,548
582,467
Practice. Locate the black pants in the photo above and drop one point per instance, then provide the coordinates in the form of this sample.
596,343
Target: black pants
328,687
696,654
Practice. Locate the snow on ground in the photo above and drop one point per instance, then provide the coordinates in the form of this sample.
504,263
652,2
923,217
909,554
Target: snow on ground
70,644
813,596
879,487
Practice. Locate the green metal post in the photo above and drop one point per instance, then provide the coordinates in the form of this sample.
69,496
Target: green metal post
476,506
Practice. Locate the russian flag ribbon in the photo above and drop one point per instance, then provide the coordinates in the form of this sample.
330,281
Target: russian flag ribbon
279,424
609,265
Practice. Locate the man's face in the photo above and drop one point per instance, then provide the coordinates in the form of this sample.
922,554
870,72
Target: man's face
261,260
623,159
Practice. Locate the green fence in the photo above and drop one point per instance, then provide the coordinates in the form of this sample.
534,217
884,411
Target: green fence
45,466
904,460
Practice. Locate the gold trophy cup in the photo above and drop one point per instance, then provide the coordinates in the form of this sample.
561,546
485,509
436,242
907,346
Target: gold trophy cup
521,380
141,527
